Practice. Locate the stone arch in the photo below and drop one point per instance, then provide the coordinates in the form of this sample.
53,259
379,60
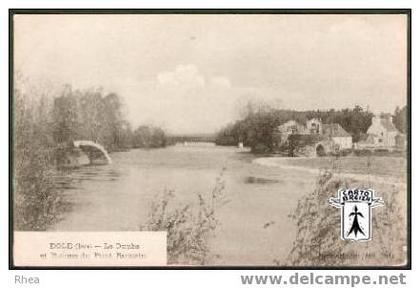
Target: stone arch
320,150
96,153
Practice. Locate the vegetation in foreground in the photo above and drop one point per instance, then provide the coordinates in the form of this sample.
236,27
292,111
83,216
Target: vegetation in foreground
37,202
190,226
318,241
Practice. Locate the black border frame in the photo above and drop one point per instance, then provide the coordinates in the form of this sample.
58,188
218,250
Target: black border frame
20,11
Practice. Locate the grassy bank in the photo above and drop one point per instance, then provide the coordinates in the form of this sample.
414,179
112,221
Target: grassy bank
373,165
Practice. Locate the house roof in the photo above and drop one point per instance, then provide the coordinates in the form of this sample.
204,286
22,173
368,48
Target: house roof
290,123
334,130
366,139
388,125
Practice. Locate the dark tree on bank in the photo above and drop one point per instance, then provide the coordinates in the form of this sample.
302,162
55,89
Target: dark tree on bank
400,119
65,117
148,137
90,115
36,200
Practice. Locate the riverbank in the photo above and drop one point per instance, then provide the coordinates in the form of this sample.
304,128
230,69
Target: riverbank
385,170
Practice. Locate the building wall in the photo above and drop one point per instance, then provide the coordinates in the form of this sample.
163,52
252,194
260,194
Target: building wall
383,137
291,127
314,126
343,142
387,139
376,127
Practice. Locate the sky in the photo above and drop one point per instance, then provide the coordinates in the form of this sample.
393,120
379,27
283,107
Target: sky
193,73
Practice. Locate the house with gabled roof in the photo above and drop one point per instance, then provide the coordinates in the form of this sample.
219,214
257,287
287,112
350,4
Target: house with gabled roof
291,127
286,129
382,132
338,135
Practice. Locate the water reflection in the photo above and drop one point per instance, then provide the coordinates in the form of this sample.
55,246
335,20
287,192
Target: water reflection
69,177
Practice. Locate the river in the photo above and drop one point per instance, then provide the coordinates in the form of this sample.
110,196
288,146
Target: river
255,228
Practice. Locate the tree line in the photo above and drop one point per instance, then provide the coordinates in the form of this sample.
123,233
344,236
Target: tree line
91,115
256,129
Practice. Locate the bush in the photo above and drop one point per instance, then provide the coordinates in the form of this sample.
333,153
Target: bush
148,137
189,226
37,202
345,152
318,230
362,152
318,241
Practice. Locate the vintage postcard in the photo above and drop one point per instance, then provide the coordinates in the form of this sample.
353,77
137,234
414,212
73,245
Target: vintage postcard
242,139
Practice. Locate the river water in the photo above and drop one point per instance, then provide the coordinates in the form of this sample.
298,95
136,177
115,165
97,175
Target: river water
255,228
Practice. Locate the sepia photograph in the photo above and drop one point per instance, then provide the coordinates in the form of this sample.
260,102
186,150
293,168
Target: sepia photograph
210,138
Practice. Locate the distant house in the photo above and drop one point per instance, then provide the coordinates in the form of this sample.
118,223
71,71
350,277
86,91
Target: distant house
291,127
366,141
382,133
310,136
288,128
338,135
314,126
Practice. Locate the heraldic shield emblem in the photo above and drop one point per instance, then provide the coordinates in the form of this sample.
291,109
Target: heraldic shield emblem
356,212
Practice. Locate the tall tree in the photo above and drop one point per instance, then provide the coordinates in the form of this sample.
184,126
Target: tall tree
65,117
400,119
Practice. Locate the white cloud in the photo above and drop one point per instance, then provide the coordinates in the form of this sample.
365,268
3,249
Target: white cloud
183,75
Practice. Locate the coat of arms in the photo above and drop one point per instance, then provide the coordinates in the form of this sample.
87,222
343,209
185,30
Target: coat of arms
356,212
